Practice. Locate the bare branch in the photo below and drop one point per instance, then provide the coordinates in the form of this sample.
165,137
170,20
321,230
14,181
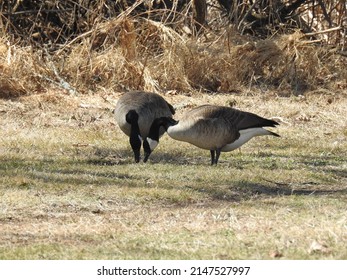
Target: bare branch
324,31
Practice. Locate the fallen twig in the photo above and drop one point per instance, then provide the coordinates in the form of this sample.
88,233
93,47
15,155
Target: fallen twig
62,83
90,106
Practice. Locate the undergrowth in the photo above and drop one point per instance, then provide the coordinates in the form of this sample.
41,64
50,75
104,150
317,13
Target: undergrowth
128,52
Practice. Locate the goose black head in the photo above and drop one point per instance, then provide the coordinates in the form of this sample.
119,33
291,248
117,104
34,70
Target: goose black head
152,139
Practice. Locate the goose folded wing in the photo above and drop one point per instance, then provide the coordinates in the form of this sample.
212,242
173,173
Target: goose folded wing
217,132
244,120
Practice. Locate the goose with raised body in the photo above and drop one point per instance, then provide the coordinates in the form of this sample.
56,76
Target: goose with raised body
134,112
215,128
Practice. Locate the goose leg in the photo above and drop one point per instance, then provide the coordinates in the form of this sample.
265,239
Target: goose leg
137,155
135,143
218,151
212,156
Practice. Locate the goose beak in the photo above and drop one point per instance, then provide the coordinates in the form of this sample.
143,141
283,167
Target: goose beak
172,121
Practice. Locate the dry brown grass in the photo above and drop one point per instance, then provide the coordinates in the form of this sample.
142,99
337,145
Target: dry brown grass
156,58
19,68
135,53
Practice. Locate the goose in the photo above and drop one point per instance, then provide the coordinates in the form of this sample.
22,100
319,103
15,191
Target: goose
215,128
134,114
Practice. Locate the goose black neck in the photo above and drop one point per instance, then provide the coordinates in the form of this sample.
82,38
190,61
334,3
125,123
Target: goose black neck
154,130
166,122
132,118
135,130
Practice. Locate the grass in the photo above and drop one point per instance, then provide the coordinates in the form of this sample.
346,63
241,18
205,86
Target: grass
69,188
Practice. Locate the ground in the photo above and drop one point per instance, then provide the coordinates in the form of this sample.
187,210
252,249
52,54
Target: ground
70,189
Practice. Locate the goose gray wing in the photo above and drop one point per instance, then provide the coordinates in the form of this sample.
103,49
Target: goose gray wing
240,119
244,120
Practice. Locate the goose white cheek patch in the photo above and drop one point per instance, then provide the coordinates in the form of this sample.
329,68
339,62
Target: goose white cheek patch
152,143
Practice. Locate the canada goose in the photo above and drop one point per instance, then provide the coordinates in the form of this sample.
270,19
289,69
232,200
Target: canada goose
215,128
135,112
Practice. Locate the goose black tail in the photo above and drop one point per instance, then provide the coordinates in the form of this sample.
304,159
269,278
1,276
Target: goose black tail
269,123
274,134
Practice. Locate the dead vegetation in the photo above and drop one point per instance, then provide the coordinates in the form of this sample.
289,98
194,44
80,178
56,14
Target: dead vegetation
80,52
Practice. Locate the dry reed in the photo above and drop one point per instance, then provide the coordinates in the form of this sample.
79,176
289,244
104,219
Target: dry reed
131,52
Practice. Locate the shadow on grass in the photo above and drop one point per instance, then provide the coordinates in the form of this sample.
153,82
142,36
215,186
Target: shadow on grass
288,189
110,157
235,159
246,190
71,173
89,171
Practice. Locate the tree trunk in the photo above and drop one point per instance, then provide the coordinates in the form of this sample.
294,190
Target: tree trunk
200,13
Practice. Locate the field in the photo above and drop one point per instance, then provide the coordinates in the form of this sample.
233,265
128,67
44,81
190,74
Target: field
69,188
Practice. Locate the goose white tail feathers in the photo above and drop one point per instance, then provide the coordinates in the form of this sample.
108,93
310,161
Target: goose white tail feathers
245,136
215,128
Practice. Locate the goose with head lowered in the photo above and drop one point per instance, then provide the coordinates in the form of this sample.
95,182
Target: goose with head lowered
134,112
215,128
